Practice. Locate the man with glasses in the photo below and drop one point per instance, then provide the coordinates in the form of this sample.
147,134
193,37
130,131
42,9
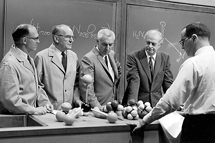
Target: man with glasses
194,87
19,89
101,63
58,68
148,71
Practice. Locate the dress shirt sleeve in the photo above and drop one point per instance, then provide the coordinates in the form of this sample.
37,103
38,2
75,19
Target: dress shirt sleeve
176,95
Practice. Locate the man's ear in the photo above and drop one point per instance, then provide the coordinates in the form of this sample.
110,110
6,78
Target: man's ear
24,40
56,38
194,37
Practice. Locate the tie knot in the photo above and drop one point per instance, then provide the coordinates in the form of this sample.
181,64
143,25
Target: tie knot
63,54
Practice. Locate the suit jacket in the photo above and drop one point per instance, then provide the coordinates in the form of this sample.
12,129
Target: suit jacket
103,89
19,88
60,85
140,86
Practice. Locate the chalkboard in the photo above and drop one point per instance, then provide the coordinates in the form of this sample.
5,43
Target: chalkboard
85,18
170,22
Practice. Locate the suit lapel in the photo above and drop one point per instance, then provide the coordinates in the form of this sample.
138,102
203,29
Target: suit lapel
21,58
144,62
55,59
101,60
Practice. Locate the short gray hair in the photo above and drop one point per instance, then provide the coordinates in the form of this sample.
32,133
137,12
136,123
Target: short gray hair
105,33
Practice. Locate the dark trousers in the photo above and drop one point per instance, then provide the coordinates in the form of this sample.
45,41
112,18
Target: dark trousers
198,129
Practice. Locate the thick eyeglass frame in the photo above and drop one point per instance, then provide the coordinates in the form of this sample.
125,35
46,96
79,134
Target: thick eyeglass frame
183,40
33,38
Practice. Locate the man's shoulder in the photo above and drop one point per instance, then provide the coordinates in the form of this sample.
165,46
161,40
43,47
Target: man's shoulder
43,52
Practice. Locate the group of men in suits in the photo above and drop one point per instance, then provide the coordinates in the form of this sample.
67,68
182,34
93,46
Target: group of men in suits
57,73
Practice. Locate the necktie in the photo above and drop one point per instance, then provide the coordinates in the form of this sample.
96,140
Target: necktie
29,60
64,60
151,67
106,61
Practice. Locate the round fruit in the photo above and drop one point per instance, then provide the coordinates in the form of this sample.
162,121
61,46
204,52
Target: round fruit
109,107
131,102
87,79
114,105
112,117
120,107
60,116
69,119
66,106
119,113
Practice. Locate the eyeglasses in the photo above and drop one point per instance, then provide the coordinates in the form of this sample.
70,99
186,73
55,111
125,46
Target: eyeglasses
67,36
183,40
33,38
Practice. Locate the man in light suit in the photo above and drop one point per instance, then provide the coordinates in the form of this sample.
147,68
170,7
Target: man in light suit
144,83
19,90
59,82
105,75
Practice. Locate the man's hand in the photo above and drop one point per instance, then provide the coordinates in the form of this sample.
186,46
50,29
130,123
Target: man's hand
40,110
138,125
49,108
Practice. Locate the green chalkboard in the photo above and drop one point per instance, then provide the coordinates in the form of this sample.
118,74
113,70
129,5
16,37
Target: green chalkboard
169,21
85,17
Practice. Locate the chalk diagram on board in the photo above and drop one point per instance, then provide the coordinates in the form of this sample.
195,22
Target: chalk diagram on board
90,30
181,55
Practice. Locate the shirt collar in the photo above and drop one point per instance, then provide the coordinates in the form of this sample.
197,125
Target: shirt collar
153,57
100,52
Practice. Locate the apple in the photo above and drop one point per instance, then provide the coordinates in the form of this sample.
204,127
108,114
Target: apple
87,79
60,116
112,117
69,119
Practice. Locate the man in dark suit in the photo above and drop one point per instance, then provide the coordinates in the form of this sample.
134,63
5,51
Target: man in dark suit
105,74
148,71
